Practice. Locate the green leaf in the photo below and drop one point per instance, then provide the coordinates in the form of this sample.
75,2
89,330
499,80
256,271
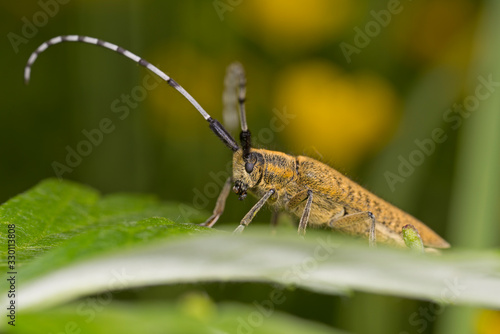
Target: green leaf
108,247
46,215
77,223
321,263
55,211
193,315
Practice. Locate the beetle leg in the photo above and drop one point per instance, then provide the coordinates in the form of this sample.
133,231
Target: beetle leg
274,218
305,215
359,223
297,199
253,211
219,206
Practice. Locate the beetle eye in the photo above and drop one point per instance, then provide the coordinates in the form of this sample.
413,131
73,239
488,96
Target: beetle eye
249,167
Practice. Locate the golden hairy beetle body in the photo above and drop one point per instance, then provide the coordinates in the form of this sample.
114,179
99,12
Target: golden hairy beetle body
334,196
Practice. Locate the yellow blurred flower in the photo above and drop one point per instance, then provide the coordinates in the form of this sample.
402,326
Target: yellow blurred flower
198,306
282,25
341,116
488,322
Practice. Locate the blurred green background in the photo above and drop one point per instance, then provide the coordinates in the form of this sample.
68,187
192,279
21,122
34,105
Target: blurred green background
363,82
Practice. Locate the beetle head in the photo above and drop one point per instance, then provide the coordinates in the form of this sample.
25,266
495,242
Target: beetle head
247,173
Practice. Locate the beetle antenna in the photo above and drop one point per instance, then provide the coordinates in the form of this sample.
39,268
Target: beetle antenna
236,71
214,125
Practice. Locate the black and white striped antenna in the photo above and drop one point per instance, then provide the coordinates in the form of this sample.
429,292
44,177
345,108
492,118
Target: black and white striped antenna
215,125
236,84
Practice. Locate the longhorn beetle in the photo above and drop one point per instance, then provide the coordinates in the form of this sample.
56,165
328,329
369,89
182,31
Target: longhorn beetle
314,192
